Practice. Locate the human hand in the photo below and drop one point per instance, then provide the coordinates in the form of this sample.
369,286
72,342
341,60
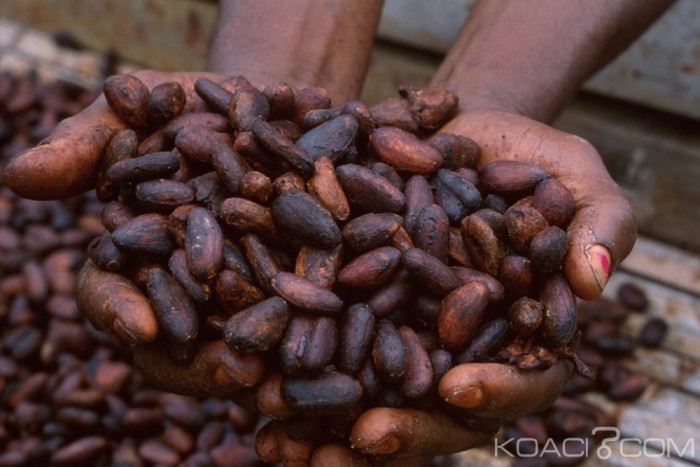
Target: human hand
603,230
66,163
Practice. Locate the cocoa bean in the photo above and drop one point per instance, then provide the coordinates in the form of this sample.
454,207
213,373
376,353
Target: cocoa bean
166,101
418,379
508,177
230,167
304,217
559,320
280,96
431,231
247,105
356,334
325,187
162,195
404,151
142,168
320,266
204,244
235,293
174,309
128,97
430,107
370,269
332,139
548,249
388,352
258,327
394,112
525,316
328,393
368,191
457,150
305,294
121,147
554,201
146,233
257,187
428,270
461,312
281,146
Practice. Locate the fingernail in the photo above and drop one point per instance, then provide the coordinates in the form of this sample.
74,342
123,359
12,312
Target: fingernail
388,445
599,261
123,332
469,398
223,378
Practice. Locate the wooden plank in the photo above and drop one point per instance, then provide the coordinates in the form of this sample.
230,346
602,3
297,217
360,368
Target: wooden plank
664,264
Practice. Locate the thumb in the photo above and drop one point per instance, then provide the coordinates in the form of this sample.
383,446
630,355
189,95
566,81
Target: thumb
66,163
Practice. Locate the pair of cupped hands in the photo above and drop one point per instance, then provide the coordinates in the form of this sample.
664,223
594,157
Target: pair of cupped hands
601,234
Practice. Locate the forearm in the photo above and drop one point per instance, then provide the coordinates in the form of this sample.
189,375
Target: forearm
304,42
531,57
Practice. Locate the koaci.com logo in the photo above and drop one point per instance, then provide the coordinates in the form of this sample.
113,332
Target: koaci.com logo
613,445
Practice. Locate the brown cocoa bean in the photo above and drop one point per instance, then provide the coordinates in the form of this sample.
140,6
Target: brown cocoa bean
230,167
209,120
247,216
128,97
430,107
115,213
235,293
204,244
548,249
305,294
257,187
394,112
460,315
404,151
258,327
325,187
199,143
653,333
370,231
121,147
105,254
370,269
428,270
525,316
632,296
161,195
418,195
392,295
496,290
320,266
281,146
166,101
516,275
262,262
281,99
247,105
509,177
457,150
307,99
554,201
487,340
418,379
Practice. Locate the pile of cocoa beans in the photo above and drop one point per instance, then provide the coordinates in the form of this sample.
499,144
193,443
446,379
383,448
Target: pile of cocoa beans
354,251
69,395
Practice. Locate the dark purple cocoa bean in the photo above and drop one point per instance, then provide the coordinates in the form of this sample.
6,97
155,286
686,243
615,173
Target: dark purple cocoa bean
332,139
431,231
305,294
280,96
247,105
368,191
559,320
142,168
356,334
388,352
174,309
301,215
419,371
215,95
328,393
146,233
548,249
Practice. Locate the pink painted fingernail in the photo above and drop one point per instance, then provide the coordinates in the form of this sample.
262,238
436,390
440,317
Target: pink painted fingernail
468,398
599,261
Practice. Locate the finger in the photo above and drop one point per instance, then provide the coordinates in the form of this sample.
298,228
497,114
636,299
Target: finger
274,446
604,229
384,431
115,305
214,371
337,455
66,163
494,390
601,234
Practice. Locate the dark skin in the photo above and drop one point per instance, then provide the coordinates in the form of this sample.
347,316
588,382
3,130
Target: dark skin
514,66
